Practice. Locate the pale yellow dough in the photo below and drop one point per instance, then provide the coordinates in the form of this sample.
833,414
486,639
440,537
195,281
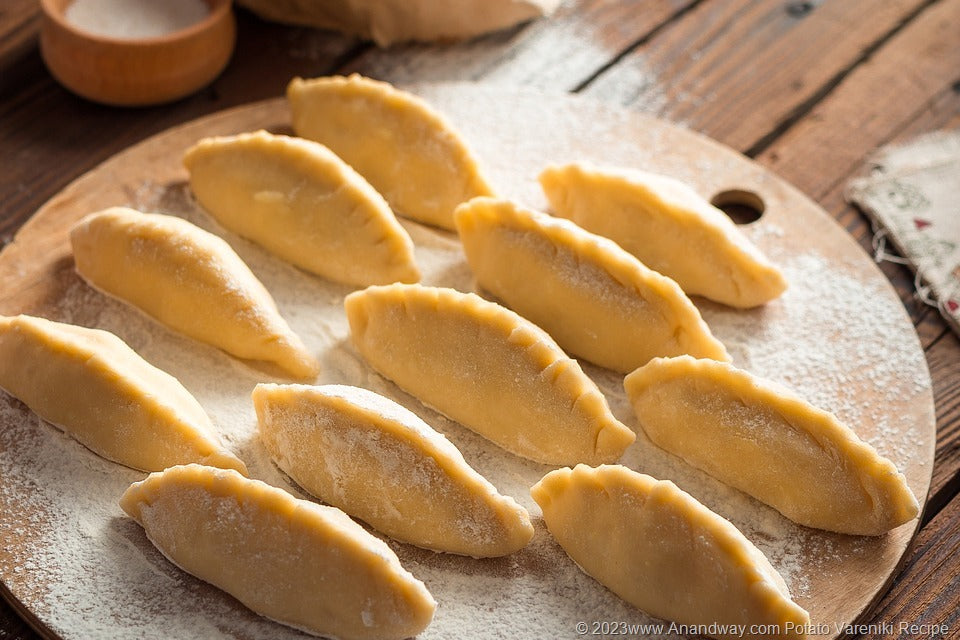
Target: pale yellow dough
670,228
294,561
596,300
188,279
487,368
390,21
299,200
97,389
379,462
659,549
769,443
398,142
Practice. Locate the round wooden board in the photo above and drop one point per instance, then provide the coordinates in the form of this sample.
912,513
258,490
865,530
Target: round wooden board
840,337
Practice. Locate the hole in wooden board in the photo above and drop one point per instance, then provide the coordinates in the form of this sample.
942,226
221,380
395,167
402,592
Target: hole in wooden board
740,205
800,8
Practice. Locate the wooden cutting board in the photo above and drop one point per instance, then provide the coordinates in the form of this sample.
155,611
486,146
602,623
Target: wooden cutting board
77,568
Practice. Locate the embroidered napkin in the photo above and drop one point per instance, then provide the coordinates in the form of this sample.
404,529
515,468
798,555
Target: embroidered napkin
912,196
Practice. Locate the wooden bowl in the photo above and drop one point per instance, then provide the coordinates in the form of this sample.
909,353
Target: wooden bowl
136,72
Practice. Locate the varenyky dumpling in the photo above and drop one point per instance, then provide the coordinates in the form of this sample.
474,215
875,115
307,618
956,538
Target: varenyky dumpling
596,300
300,201
388,23
378,461
662,551
487,368
290,560
92,385
670,228
770,444
395,140
188,279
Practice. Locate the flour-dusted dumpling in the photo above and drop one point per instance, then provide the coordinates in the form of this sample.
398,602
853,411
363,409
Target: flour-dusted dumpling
299,200
379,462
769,443
670,228
398,142
662,551
97,389
596,300
188,279
293,561
487,368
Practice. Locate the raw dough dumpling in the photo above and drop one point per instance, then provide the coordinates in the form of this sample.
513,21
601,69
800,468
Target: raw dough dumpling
670,228
398,142
596,300
97,389
300,201
379,462
662,551
769,443
487,368
293,561
188,279
389,21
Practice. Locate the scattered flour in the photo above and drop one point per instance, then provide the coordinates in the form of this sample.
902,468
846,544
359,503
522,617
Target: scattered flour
86,570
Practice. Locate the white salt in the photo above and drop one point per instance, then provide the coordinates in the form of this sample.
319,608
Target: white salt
132,19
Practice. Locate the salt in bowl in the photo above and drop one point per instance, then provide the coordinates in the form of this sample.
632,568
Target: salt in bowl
125,71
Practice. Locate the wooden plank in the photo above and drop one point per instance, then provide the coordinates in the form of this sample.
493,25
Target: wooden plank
560,52
12,626
19,25
19,32
828,129
927,592
872,104
704,71
267,56
931,327
943,358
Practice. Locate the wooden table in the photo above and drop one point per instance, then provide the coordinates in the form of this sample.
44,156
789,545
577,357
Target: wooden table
805,87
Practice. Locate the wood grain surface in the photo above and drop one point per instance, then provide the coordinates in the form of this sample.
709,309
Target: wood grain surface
839,78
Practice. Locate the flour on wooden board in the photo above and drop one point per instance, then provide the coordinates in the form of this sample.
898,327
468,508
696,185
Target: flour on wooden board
101,578
93,549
